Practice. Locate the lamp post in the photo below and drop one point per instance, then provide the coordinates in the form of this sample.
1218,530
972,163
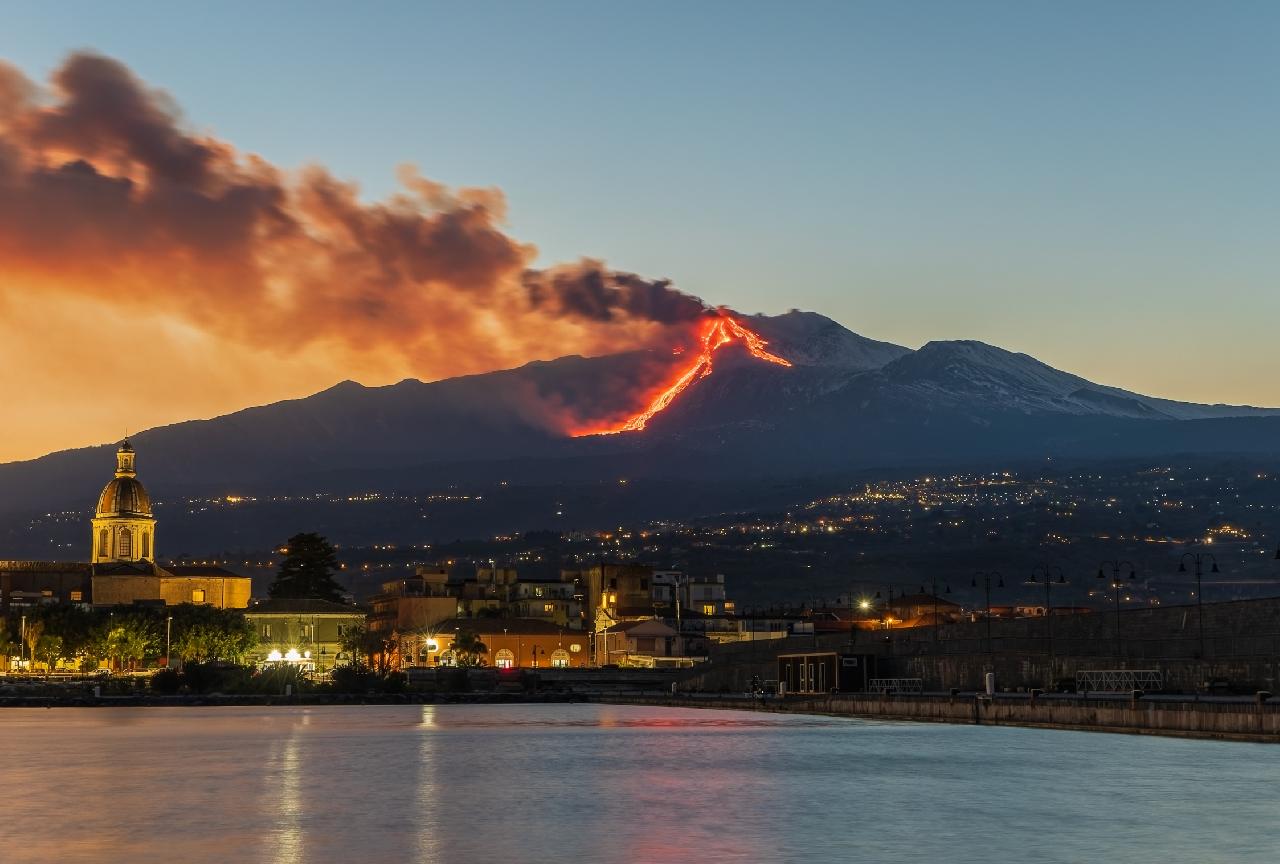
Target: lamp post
168,630
1199,558
986,577
1117,584
22,644
933,590
1047,571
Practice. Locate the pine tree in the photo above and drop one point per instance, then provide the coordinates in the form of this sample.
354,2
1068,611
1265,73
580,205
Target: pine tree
307,571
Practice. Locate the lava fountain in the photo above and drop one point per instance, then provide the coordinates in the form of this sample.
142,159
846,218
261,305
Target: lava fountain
717,332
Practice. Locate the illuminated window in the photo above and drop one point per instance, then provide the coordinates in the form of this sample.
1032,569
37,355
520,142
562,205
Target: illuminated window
146,545
448,658
559,659
77,596
197,595
505,659
575,648
125,549
709,609
548,607
104,542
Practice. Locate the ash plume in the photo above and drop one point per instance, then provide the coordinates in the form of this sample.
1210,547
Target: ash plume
115,213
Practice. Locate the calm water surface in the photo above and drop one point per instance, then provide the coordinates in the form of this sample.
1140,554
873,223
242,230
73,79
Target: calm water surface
591,783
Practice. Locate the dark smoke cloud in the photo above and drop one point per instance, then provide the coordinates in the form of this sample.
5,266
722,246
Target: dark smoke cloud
588,290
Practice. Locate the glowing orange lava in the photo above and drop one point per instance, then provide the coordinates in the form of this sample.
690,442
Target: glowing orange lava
716,333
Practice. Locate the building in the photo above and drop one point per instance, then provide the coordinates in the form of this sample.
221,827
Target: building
823,672
307,632
511,643
648,644
123,568
409,605
921,607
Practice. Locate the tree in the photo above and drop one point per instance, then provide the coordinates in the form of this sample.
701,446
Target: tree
360,641
48,649
203,633
307,571
35,629
467,649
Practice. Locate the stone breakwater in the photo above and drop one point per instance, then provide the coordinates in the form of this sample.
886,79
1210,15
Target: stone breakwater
1255,719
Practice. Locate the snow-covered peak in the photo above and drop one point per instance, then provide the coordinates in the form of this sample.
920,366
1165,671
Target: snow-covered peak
810,339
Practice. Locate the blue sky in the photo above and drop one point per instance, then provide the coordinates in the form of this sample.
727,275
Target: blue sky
1093,183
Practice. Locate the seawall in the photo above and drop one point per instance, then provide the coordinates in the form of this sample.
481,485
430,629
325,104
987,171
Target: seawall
1238,720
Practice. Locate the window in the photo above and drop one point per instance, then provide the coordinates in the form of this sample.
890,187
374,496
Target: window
505,659
126,544
197,595
559,659
77,596
146,545
104,543
266,632
537,592
709,609
548,607
575,648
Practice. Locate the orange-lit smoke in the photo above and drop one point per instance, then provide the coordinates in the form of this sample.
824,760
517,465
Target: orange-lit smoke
149,273
717,332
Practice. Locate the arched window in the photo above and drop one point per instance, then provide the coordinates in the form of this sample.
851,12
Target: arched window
448,658
104,543
559,659
146,544
505,659
125,549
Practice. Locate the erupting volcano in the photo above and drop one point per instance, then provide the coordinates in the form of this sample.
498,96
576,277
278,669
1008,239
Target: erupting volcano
717,332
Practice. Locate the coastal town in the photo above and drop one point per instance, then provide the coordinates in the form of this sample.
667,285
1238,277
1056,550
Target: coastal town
199,628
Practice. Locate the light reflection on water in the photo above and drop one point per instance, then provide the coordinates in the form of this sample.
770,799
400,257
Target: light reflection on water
591,783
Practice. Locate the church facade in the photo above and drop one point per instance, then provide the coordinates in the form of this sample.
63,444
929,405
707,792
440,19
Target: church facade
122,569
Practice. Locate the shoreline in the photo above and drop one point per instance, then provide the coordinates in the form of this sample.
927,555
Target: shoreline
1257,722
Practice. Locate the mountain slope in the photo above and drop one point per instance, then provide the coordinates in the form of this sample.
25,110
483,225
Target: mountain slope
846,402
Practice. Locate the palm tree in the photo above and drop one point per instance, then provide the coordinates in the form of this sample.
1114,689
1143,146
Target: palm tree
468,649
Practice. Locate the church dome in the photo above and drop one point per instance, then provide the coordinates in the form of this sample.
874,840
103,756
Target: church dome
124,496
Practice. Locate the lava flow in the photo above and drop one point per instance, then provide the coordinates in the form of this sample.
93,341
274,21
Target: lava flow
716,333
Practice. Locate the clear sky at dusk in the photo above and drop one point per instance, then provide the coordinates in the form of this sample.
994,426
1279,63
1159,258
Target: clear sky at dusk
1096,184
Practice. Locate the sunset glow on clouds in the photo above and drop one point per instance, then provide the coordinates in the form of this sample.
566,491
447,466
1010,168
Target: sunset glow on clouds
150,273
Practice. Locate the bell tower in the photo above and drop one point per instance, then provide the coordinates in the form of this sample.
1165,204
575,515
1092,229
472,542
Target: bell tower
123,528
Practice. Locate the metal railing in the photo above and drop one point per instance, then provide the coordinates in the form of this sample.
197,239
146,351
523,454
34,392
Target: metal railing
895,685
1118,680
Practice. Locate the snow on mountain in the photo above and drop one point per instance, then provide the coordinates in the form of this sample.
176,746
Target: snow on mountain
810,339
974,374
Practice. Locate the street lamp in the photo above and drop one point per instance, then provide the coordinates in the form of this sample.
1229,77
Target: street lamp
1117,584
1199,558
986,584
168,629
933,590
1047,571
